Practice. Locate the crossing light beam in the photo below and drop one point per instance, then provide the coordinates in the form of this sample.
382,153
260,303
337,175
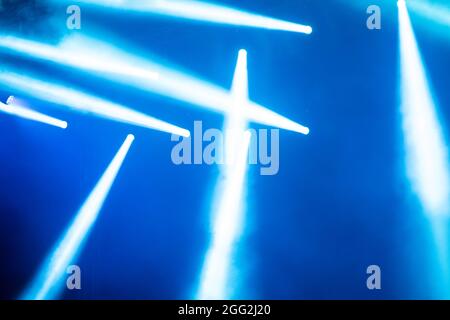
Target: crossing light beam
89,55
228,212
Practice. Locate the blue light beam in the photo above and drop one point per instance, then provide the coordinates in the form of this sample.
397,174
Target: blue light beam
81,102
48,282
434,12
16,109
228,212
426,151
202,11
88,54
425,146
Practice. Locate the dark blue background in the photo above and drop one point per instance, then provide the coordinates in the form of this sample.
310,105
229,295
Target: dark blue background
339,203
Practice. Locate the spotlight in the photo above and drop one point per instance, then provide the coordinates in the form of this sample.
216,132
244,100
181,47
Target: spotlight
85,103
426,154
16,109
425,146
86,54
48,282
203,11
228,211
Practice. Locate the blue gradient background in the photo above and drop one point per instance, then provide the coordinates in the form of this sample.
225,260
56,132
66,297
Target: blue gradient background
339,203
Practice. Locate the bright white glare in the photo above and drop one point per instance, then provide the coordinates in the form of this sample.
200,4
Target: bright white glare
202,11
426,152
84,53
47,283
228,213
76,100
26,113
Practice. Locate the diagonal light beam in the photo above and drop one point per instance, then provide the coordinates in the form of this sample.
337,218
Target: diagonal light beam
81,102
425,146
424,139
228,211
48,282
15,109
95,56
434,12
201,11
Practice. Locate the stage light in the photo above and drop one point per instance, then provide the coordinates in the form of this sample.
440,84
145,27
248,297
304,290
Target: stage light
48,282
425,146
228,211
75,50
81,102
426,149
202,11
16,109
79,52
225,230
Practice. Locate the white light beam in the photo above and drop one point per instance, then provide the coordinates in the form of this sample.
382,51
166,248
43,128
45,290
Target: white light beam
15,109
48,281
81,102
202,11
426,151
228,211
95,56
425,146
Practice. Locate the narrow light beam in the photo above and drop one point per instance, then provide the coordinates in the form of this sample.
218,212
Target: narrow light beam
202,11
81,102
48,282
425,146
88,54
228,212
15,109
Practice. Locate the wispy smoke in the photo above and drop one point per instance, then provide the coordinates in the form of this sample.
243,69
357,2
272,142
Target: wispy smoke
37,18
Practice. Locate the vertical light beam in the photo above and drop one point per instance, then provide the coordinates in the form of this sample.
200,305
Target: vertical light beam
16,109
228,212
425,146
47,283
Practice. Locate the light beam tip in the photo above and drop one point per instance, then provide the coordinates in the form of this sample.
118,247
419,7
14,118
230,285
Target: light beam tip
185,133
